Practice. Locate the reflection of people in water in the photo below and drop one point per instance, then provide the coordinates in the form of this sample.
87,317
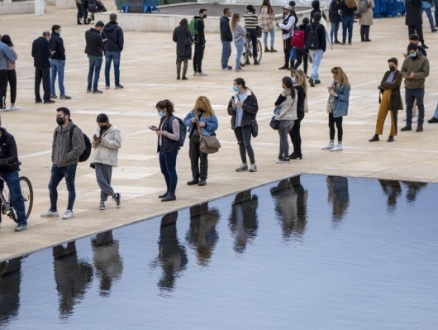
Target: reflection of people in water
172,255
392,189
73,277
202,234
291,206
10,280
243,219
413,189
338,195
107,261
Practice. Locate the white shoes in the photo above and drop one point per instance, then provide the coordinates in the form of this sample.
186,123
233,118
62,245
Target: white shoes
67,215
50,214
328,146
337,147
14,108
414,120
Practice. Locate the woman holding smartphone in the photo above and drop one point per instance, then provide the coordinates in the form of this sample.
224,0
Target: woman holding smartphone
201,119
168,146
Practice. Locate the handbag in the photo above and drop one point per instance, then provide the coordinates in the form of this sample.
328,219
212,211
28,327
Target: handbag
274,123
189,41
330,104
254,128
208,144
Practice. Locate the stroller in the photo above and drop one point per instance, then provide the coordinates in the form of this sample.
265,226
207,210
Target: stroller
94,6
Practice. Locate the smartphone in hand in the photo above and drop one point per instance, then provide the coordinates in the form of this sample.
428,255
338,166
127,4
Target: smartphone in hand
153,128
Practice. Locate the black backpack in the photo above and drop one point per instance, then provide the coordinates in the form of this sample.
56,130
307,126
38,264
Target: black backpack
312,40
87,152
182,130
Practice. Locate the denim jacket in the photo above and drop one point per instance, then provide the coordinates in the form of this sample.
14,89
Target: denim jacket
340,107
211,123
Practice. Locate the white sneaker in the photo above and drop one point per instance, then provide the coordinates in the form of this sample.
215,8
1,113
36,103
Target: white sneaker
328,146
50,214
414,120
202,74
195,73
102,205
14,107
337,147
68,215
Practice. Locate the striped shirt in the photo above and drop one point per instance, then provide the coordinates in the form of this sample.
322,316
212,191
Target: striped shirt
251,20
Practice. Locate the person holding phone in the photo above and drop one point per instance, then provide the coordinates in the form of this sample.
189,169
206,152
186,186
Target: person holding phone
106,144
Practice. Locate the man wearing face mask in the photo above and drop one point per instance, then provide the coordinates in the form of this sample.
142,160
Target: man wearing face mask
57,63
68,144
199,39
41,60
415,69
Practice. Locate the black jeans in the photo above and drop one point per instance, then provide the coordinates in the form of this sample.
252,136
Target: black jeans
416,29
44,75
253,36
338,122
364,32
12,79
3,88
295,134
197,58
243,136
302,56
286,48
198,159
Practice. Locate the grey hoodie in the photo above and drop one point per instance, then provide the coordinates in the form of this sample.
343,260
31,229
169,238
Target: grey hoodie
66,151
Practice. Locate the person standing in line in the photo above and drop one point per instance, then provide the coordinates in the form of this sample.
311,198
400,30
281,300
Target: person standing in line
266,19
7,60
251,22
426,6
316,9
184,41
365,21
335,20
79,15
168,133
203,119
435,4
347,7
68,144
391,100
316,51
243,109
337,107
302,54
287,28
41,60
199,43
415,70
226,39
57,63
239,39
94,51
414,19
292,5
106,144
113,44
300,82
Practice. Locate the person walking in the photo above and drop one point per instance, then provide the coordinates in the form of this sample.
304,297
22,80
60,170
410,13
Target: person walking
168,133
316,43
199,42
201,119
226,39
414,20
391,100
41,60
68,144
243,109
335,20
366,20
94,51
9,167
426,6
251,22
239,39
415,70
184,41
287,28
347,7
113,44
106,144
337,106
302,53
300,82
57,63
8,56
266,19
286,113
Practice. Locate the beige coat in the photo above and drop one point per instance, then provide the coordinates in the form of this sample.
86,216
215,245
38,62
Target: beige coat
266,21
288,110
106,151
367,18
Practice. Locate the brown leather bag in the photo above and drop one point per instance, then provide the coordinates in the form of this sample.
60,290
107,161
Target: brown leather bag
209,144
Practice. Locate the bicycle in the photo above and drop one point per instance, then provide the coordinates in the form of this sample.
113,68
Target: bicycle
247,48
26,191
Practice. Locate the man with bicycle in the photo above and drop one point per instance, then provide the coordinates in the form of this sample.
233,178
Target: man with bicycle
9,167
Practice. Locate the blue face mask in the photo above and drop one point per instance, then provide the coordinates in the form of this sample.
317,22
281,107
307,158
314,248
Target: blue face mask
235,88
161,114
293,80
413,54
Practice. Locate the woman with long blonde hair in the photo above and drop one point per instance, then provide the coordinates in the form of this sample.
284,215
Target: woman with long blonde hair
300,83
267,19
239,39
201,120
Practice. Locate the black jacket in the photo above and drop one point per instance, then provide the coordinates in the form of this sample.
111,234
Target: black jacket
199,25
8,153
334,16
57,45
94,42
41,53
226,34
345,10
113,37
413,12
180,35
250,108
320,29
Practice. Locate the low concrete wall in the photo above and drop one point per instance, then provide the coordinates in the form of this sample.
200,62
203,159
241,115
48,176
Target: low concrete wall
22,7
65,4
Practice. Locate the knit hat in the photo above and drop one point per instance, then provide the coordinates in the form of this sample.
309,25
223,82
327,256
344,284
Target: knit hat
412,46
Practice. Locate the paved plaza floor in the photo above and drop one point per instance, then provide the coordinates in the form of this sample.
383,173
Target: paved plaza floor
148,74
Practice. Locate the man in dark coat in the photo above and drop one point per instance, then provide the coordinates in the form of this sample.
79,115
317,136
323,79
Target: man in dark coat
114,41
184,41
414,21
57,63
226,38
199,43
41,55
94,51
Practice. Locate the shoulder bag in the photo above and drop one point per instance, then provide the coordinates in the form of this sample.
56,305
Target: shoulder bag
209,144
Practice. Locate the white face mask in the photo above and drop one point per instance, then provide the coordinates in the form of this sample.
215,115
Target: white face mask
60,33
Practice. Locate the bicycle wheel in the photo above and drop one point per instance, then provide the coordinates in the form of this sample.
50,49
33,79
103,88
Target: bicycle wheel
27,192
245,55
259,51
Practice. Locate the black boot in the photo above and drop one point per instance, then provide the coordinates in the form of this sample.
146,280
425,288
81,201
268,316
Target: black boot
419,128
164,195
390,138
170,197
374,138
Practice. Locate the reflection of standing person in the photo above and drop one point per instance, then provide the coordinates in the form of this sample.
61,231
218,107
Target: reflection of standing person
413,189
392,189
243,220
202,234
338,196
73,277
184,40
10,281
107,261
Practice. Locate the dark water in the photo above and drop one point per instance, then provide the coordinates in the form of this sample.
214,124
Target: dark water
313,252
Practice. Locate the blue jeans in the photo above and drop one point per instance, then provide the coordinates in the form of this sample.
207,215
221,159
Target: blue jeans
239,47
347,24
57,66
168,168
411,95
316,62
435,2
226,53
265,37
429,17
112,56
435,115
334,31
58,173
17,200
94,67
